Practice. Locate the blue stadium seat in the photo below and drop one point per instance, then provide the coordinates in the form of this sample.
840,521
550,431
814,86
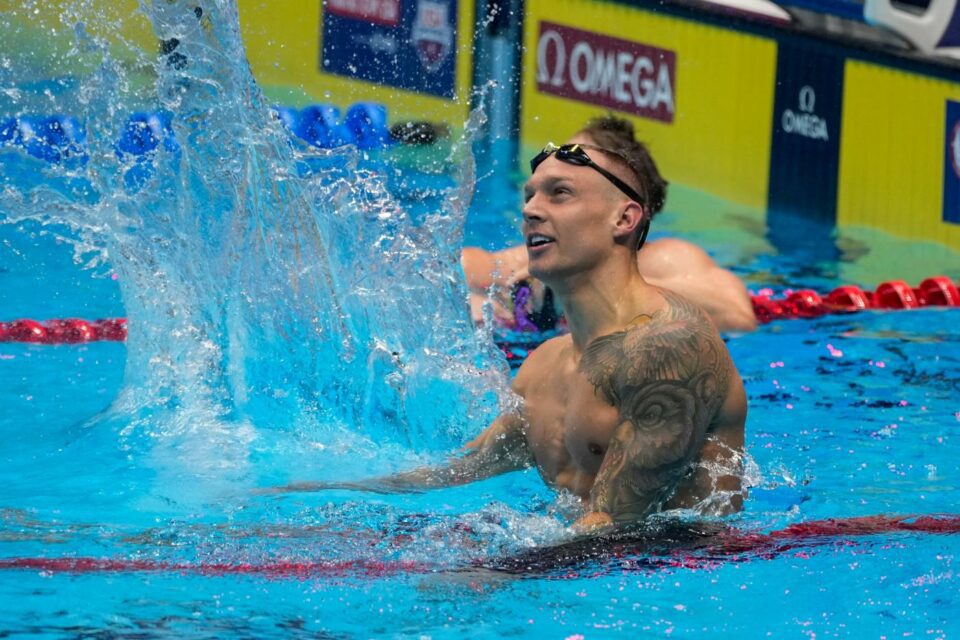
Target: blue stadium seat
320,126
144,132
53,139
367,123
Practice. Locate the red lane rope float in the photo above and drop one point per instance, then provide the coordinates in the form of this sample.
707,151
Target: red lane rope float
938,291
730,544
278,569
67,331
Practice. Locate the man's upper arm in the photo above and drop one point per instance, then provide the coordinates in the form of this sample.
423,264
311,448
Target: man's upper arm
502,446
668,377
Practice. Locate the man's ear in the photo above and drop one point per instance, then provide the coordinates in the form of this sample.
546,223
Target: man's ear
629,220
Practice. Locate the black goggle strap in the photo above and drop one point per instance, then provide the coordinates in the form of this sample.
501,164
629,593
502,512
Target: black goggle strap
617,182
644,231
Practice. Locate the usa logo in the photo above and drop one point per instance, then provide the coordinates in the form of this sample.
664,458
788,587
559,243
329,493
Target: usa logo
432,34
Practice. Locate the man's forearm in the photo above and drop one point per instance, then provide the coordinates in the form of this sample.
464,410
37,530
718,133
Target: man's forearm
415,481
501,448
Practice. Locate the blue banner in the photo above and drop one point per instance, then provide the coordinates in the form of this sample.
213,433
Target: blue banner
805,150
407,44
805,146
951,165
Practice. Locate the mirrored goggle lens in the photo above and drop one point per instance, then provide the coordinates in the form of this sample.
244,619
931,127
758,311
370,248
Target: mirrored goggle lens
569,153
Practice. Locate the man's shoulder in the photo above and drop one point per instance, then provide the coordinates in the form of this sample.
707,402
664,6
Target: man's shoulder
545,357
548,353
680,324
677,344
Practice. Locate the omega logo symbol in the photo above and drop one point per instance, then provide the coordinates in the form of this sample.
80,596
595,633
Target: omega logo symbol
805,123
543,75
807,99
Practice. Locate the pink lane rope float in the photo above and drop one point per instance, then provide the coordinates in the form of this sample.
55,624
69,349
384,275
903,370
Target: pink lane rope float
938,291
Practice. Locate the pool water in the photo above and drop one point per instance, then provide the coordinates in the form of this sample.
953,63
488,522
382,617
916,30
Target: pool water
148,522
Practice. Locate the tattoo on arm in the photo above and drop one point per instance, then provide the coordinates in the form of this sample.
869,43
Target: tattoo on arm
668,376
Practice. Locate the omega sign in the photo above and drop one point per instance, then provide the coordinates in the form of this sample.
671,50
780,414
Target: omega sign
613,73
806,122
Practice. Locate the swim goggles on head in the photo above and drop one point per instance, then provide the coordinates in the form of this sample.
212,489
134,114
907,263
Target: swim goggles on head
575,155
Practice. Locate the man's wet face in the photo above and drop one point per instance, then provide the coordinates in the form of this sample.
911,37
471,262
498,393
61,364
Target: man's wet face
568,215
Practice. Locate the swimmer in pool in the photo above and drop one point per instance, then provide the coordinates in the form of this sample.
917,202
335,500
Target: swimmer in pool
669,263
639,407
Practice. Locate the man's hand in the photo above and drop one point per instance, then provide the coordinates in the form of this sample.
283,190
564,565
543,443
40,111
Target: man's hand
593,522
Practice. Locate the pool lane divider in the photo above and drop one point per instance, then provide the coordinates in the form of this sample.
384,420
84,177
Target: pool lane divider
64,331
272,568
695,550
937,291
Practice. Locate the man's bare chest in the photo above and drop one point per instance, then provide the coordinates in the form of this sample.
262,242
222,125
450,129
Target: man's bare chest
569,424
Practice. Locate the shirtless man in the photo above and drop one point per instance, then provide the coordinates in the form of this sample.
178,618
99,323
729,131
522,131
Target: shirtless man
639,406
670,263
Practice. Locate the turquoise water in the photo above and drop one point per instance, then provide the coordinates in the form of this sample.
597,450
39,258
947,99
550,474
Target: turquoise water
268,309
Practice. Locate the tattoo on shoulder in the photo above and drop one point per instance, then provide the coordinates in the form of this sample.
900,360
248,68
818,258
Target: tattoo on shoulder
677,344
668,374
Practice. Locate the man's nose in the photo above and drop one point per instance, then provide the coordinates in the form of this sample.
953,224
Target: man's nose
531,211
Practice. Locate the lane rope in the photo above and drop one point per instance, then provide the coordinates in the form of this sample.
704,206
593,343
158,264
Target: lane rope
64,331
700,551
938,291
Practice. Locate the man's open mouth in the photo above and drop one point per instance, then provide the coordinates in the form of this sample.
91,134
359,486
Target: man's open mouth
538,240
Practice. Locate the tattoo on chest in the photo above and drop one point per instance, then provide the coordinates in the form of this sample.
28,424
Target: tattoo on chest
668,375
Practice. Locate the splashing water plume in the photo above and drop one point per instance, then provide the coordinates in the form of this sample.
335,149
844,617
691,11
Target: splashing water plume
270,287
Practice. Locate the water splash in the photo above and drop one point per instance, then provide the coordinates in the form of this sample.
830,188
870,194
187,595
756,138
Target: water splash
268,285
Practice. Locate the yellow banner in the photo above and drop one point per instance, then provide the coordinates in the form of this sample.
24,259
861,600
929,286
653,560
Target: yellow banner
892,156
